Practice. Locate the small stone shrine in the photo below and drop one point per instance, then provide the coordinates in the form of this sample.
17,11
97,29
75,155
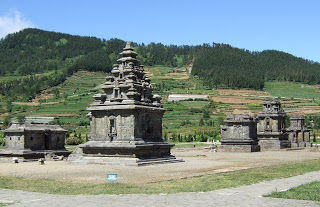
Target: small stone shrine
242,133
239,134
33,141
299,135
126,120
271,126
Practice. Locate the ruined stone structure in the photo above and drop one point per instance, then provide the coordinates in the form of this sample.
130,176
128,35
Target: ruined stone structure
271,126
239,134
299,135
33,141
242,133
126,120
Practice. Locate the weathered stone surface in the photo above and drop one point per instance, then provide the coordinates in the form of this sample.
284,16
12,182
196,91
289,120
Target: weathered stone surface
33,141
239,134
271,130
126,120
299,135
242,133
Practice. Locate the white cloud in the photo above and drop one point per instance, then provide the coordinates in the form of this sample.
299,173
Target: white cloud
13,22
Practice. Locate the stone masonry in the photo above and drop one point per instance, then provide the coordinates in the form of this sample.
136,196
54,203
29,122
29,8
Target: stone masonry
271,130
33,141
299,135
239,134
126,120
242,133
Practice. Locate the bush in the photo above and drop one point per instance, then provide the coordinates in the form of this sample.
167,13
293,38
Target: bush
188,138
196,110
84,122
73,141
187,122
206,115
202,138
218,138
2,139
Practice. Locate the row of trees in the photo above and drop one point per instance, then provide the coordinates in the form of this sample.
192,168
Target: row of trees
26,88
221,65
197,136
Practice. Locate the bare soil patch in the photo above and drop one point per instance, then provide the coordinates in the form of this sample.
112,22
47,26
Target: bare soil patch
198,161
236,100
57,114
184,75
243,92
45,94
34,103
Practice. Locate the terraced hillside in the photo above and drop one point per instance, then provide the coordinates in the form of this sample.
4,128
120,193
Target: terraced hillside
183,121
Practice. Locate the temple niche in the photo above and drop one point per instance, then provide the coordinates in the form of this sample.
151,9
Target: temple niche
126,120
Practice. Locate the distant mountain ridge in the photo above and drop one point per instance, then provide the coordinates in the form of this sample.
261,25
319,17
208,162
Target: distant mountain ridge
221,65
49,57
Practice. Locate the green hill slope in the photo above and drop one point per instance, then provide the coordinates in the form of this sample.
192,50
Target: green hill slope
33,60
221,65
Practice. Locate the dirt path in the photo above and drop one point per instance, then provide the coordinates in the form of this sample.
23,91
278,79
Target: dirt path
198,161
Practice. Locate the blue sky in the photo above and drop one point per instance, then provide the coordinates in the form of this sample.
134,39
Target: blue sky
287,25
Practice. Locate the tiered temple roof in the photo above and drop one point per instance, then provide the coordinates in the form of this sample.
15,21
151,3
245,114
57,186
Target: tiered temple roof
128,83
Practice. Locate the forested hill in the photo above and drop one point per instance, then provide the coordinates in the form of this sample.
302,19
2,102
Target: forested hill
221,65
33,51
32,60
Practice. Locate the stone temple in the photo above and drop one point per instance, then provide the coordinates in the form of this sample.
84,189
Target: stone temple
126,120
243,133
271,126
32,141
239,134
299,135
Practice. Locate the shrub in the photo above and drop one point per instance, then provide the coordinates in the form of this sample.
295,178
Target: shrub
187,122
73,141
1,139
196,110
189,138
218,138
206,115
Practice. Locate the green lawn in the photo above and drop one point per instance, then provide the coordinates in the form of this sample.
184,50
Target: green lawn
310,191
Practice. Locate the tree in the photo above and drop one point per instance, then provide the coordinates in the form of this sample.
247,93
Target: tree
206,114
21,119
6,121
201,122
9,106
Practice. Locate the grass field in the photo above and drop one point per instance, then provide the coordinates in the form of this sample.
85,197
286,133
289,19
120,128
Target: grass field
194,184
310,191
292,90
